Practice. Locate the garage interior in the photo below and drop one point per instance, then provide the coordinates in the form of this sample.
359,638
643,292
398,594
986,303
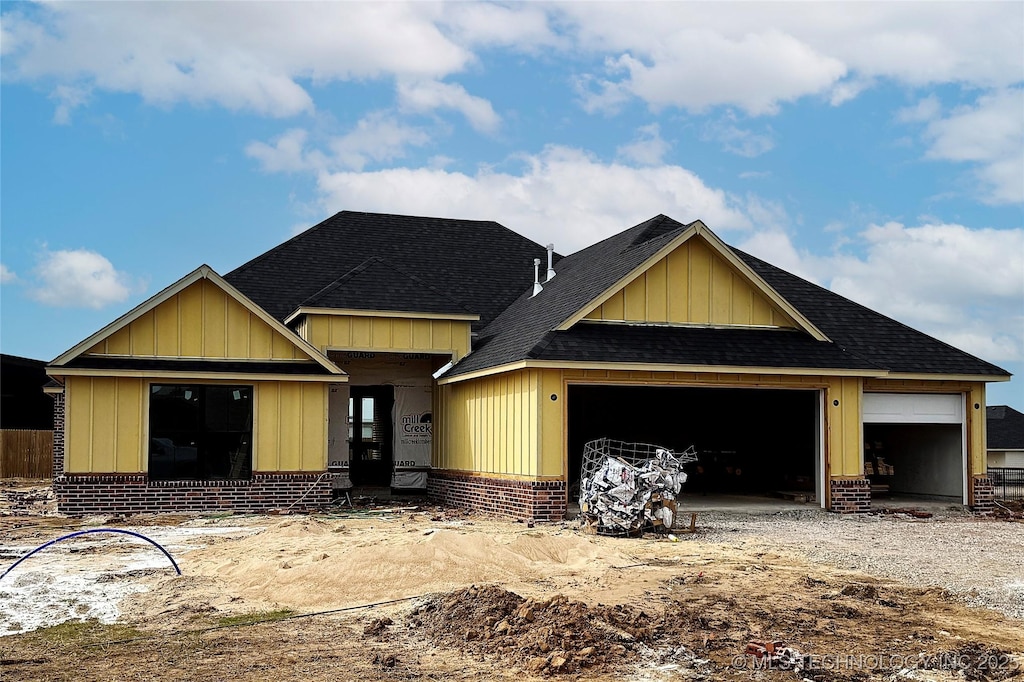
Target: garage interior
755,442
914,459
914,445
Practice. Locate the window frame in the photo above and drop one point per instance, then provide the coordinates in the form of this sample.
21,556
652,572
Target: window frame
206,450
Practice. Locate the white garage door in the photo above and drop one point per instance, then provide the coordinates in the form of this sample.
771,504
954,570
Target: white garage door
913,408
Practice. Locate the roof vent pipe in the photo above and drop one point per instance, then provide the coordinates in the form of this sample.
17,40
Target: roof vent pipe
537,288
551,267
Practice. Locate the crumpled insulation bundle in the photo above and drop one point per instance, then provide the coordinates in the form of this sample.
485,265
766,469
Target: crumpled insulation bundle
626,487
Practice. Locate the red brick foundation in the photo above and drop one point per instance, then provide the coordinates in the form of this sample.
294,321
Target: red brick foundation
134,493
983,494
850,495
538,500
58,434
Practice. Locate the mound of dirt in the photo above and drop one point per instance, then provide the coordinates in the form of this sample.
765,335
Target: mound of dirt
549,636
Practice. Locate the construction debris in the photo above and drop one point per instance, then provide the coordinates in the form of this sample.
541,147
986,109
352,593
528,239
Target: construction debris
628,487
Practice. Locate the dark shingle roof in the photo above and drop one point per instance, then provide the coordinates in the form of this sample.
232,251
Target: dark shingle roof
481,265
375,284
861,338
597,342
1005,428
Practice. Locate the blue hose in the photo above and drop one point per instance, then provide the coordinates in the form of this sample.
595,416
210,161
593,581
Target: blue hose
94,530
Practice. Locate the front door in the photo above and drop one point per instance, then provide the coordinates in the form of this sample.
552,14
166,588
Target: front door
371,439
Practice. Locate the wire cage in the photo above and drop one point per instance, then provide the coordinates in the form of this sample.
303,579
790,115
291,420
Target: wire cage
628,487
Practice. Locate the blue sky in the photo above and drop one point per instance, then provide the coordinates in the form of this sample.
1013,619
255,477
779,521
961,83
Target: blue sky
876,149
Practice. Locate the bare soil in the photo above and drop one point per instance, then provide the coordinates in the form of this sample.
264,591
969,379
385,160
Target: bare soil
427,593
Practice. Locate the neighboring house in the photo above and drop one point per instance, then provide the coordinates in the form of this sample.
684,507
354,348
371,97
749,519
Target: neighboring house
1005,436
23,404
414,352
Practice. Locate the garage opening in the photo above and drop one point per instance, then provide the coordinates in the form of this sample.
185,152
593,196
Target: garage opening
749,441
914,445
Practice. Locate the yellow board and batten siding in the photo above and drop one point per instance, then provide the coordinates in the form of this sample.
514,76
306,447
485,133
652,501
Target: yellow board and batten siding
386,334
108,417
501,425
692,285
201,321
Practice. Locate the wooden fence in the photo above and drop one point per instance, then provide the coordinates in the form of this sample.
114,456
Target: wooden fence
26,454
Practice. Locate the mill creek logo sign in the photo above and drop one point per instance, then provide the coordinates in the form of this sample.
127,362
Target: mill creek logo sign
417,424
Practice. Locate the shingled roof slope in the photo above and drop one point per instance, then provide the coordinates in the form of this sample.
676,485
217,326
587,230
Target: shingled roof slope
375,284
1005,428
862,339
482,265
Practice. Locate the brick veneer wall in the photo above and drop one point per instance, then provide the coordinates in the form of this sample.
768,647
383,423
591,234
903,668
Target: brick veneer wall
850,495
539,500
134,493
58,434
984,494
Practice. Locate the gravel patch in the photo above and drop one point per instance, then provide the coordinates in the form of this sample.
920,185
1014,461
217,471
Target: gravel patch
980,561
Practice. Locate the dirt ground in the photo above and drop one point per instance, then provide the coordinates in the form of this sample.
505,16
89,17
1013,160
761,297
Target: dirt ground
417,592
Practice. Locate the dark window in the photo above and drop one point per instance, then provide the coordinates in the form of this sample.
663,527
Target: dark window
200,432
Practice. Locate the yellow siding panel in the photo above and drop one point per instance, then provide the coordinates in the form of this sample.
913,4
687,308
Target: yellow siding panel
237,329
401,333
380,332
167,328
700,284
128,450
290,417
78,397
314,427
551,457
421,334
120,343
104,424
657,292
678,273
281,347
441,335
266,440
142,332
261,341
214,322
190,322
721,292
361,332
636,299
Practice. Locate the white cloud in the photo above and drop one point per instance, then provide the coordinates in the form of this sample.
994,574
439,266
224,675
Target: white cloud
648,149
248,56
426,96
286,155
375,138
7,276
991,133
700,55
68,98
962,285
925,110
263,56
80,278
378,137
700,68
560,194
736,140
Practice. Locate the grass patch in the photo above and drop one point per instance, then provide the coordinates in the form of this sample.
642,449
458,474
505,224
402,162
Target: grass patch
255,617
81,632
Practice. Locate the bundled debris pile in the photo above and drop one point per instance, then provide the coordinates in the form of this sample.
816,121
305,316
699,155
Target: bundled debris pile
626,487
